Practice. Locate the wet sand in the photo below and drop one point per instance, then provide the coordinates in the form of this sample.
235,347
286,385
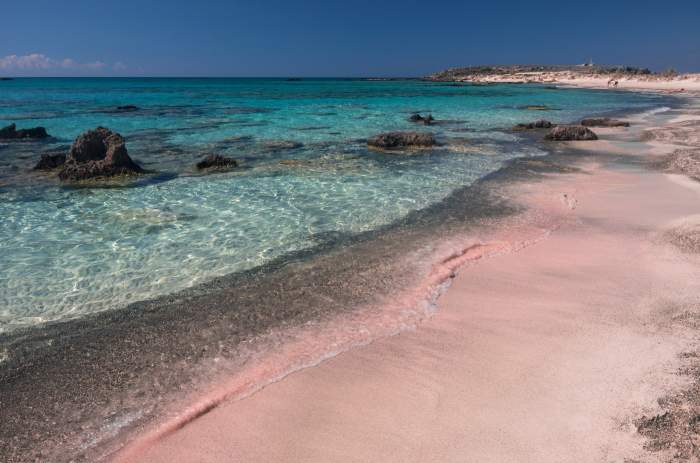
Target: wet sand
557,351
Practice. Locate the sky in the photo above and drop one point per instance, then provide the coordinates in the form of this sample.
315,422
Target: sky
338,38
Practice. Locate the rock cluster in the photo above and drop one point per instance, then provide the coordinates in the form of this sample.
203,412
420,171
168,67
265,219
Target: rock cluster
604,122
11,133
50,161
216,161
570,132
397,140
98,153
427,120
541,124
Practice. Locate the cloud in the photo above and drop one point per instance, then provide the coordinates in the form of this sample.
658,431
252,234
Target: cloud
41,62
119,66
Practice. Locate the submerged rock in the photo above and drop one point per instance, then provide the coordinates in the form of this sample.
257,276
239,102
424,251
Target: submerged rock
279,145
541,124
216,161
50,161
127,108
98,153
536,107
570,132
119,109
11,133
604,122
427,120
393,140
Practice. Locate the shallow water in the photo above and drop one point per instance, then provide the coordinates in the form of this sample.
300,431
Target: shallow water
68,251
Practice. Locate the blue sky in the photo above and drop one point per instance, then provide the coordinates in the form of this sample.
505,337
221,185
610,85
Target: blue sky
338,38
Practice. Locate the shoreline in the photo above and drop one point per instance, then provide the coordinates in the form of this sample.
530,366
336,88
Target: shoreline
115,371
577,77
97,329
201,433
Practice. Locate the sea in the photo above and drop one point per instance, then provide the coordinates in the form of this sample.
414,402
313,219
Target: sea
305,175
124,300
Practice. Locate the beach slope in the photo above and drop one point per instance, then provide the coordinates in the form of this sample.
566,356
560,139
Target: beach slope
559,352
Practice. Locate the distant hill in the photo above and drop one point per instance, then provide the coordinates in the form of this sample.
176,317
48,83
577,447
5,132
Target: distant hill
476,72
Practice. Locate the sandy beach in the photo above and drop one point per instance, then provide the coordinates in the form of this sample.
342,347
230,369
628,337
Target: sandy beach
578,76
581,346
278,233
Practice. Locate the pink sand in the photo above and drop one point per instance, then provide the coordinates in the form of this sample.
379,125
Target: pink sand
546,354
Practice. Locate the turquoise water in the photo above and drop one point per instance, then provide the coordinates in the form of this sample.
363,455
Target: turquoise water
66,251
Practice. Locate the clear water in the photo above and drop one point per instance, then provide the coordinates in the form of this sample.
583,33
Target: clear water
66,251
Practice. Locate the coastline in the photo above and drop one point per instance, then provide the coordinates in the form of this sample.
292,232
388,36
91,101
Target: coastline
592,77
689,85
113,372
207,356
369,390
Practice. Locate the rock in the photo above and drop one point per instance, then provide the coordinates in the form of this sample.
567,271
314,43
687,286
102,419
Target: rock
127,108
536,107
541,124
50,161
394,140
216,161
570,132
604,122
98,153
11,133
279,145
427,120
36,132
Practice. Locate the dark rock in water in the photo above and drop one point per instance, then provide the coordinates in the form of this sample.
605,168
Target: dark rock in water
7,78
570,132
98,153
128,107
604,122
541,124
427,120
216,161
50,161
278,145
36,132
119,109
393,140
11,133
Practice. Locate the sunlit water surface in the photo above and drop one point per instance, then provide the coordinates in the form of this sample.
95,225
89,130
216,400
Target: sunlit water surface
66,251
